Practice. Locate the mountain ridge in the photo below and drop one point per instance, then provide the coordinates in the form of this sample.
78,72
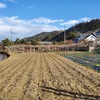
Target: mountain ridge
71,33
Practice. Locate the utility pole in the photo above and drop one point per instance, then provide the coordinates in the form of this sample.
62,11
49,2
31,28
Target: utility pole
64,35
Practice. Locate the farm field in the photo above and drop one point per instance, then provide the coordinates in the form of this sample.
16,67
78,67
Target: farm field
87,59
46,76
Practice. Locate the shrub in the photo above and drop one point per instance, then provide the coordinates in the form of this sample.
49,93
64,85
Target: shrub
97,49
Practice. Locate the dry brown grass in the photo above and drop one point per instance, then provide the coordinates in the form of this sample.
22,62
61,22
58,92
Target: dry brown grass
46,76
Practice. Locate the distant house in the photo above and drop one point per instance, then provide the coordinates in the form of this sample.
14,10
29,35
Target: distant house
45,42
86,37
91,37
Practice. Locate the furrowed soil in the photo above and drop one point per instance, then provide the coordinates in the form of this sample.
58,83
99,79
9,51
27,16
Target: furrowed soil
46,76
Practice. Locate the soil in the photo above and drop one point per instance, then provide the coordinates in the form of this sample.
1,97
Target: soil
46,76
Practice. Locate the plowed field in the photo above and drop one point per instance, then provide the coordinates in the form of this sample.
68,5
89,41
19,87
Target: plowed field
46,76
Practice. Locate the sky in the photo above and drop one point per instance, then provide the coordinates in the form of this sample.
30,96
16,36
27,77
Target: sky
25,18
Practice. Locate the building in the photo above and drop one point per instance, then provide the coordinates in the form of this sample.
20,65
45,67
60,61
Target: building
91,37
86,37
45,42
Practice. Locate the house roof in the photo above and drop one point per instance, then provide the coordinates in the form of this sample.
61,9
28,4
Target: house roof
84,36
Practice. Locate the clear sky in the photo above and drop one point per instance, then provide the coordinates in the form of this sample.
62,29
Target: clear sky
30,17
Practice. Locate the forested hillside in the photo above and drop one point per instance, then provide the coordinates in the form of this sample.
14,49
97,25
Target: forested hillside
80,28
71,33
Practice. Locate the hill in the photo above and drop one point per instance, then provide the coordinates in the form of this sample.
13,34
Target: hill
81,28
51,35
37,37
71,33
44,36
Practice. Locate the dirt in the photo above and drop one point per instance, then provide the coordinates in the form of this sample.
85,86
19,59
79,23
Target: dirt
46,76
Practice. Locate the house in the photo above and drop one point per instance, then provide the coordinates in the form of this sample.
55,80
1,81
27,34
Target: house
45,42
86,37
91,37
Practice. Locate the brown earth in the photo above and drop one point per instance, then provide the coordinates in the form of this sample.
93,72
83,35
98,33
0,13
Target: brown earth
46,76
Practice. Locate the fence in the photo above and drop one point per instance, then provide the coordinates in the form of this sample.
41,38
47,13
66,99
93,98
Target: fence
49,48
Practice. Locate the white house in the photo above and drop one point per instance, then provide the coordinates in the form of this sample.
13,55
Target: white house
91,37
87,37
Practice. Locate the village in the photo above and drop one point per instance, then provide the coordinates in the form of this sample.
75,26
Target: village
84,42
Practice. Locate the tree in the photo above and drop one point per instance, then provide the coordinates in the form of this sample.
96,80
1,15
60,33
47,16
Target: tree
72,35
17,41
34,43
54,42
97,49
23,41
7,42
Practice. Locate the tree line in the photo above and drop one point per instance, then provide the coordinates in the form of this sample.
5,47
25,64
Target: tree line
7,42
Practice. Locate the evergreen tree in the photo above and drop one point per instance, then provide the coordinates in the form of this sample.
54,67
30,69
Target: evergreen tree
17,41
7,42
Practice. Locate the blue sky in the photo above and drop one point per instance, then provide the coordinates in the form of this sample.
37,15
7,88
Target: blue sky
30,17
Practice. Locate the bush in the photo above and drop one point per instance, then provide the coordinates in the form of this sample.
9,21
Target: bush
35,43
7,42
97,49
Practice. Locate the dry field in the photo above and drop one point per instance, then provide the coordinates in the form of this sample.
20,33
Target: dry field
46,76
